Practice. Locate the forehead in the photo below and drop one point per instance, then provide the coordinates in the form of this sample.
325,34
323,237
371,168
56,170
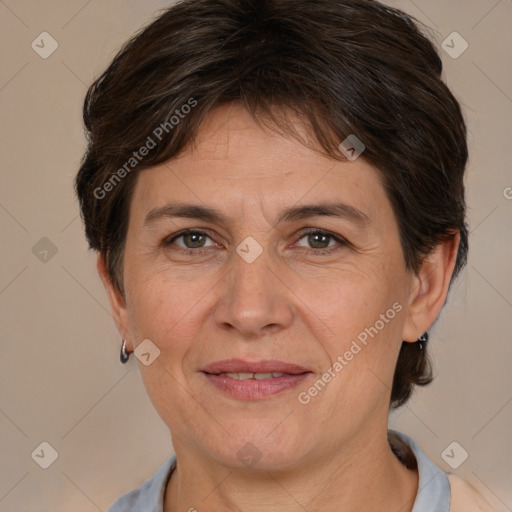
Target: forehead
235,160
229,133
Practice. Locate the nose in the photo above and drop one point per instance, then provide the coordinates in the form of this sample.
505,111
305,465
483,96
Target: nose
253,300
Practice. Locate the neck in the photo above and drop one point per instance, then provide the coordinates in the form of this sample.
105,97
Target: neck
363,473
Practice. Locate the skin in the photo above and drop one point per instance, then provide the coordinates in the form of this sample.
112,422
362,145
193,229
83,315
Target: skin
294,303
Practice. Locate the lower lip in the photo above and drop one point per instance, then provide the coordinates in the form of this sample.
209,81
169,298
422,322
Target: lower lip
252,389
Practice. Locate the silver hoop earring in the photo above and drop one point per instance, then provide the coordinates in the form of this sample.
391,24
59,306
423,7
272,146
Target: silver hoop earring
124,355
423,339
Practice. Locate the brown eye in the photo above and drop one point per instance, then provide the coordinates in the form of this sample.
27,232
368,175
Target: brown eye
191,239
322,242
318,240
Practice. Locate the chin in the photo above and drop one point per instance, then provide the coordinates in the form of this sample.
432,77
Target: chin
252,448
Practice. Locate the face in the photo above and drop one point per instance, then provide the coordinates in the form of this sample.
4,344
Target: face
300,272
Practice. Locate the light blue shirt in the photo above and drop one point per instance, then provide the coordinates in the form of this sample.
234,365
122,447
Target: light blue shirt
433,487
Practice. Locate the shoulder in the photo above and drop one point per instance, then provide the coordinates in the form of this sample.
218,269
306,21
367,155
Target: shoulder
150,495
465,498
437,490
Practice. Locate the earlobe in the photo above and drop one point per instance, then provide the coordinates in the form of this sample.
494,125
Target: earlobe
116,299
430,288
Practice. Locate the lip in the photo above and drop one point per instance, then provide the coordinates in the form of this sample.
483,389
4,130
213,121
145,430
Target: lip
253,389
264,366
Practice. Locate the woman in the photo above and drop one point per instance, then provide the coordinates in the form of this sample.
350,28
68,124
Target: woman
275,191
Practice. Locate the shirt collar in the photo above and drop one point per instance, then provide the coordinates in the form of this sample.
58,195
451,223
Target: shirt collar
433,486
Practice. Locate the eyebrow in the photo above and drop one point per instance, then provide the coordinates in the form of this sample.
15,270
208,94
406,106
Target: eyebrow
205,213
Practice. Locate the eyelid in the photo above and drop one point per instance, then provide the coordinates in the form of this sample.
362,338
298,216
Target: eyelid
190,231
338,238
341,241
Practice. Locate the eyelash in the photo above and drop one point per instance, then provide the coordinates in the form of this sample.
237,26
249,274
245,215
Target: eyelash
202,250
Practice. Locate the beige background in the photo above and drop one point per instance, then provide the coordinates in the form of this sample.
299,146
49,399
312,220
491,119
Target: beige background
61,380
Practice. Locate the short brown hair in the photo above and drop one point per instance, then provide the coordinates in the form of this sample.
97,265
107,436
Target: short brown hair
344,66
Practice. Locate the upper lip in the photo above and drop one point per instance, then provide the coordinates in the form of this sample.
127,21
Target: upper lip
264,366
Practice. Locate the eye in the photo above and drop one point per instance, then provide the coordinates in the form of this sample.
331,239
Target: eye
193,240
320,241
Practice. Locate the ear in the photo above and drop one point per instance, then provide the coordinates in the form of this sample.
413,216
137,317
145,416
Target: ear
430,288
116,299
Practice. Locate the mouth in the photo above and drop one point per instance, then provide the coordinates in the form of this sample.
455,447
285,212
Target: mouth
249,375
246,380
240,366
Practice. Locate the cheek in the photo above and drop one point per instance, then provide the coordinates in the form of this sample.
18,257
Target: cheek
161,305
167,313
360,312
350,299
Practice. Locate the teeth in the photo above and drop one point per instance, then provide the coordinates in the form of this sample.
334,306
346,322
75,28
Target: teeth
257,376
261,376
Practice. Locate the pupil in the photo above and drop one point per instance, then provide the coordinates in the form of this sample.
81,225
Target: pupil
194,237
317,236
